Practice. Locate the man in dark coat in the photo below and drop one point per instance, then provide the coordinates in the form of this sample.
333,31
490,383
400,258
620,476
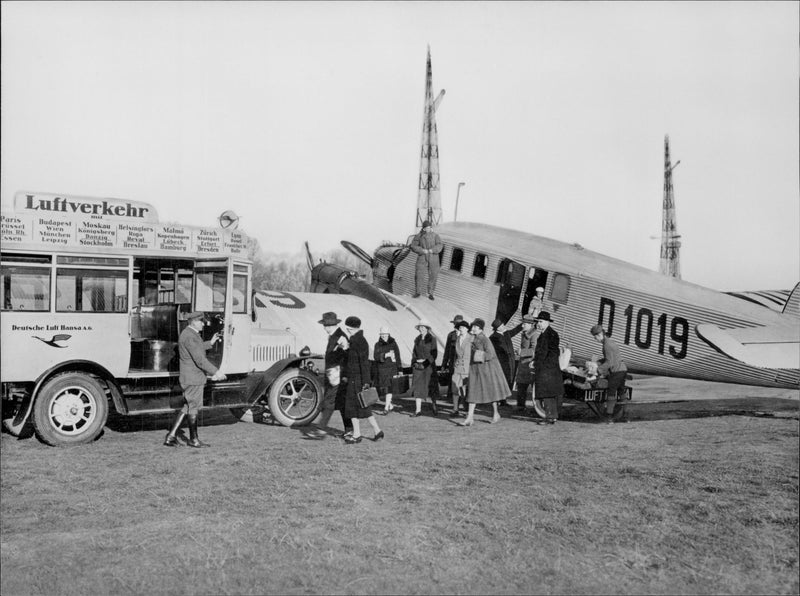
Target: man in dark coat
426,245
501,341
335,358
194,366
548,381
527,345
449,357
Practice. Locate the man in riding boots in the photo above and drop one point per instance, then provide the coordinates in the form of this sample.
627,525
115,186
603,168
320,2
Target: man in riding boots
194,366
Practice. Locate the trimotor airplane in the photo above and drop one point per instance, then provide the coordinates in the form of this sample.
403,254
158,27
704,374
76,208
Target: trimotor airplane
665,326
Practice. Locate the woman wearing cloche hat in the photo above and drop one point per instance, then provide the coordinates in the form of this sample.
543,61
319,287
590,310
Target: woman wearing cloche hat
487,384
386,356
423,359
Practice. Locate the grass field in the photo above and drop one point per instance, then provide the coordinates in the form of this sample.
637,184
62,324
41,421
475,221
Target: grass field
695,497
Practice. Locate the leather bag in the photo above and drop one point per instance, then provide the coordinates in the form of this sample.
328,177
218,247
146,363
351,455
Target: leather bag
367,397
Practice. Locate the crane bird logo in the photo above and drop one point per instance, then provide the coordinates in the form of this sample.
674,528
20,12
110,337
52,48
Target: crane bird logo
53,342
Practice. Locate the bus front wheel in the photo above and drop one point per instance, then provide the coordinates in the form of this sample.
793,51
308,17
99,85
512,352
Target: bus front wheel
70,409
295,397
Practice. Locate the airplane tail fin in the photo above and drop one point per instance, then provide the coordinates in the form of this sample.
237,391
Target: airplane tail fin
792,306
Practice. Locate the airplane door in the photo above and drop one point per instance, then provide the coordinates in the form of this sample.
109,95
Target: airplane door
510,276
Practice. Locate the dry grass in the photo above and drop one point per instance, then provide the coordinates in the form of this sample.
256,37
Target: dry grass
703,504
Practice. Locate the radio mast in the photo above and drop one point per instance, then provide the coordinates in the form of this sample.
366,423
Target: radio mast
670,240
429,198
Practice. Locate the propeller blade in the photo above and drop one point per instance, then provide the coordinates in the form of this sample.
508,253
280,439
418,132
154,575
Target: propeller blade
309,258
357,252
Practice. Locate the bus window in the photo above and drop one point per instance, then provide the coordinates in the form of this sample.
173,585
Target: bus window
25,288
456,259
91,290
210,291
481,265
239,293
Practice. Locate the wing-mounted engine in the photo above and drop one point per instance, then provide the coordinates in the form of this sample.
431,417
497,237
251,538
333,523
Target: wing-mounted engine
327,278
383,263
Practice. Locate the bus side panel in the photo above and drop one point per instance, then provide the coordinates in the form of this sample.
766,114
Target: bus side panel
32,343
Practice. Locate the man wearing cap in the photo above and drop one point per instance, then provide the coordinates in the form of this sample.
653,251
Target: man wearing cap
335,358
449,356
612,366
427,245
548,380
194,366
527,346
537,303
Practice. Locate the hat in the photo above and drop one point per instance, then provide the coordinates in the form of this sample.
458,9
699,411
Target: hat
422,323
457,319
462,323
544,316
194,315
528,319
353,322
383,331
596,330
426,223
540,289
496,323
478,322
330,318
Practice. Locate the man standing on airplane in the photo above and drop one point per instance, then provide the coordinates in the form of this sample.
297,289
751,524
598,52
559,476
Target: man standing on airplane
612,367
548,381
427,245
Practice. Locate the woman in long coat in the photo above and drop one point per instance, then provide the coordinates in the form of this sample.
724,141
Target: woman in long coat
357,372
462,350
548,381
423,360
386,356
487,383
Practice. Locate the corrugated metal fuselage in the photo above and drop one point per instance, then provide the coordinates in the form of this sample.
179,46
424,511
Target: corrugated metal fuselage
653,317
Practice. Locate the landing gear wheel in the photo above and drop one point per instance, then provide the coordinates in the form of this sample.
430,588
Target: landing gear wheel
70,409
295,397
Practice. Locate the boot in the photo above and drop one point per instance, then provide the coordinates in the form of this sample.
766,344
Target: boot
193,440
171,439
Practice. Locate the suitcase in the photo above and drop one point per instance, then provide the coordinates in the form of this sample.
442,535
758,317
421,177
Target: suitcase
400,384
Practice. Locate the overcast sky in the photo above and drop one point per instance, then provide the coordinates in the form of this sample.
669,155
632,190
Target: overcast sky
306,119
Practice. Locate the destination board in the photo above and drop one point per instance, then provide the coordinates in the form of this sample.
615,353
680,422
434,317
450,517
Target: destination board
50,231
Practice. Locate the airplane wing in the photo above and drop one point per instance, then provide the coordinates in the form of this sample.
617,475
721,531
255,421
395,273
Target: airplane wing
764,347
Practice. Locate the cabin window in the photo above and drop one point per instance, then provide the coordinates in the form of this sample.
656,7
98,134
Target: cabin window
560,290
456,259
481,265
210,291
91,290
25,288
239,293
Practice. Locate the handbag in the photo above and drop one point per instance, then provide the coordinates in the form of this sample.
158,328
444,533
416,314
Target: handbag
367,397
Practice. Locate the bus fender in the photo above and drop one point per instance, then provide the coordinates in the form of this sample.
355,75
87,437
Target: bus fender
24,411
258,383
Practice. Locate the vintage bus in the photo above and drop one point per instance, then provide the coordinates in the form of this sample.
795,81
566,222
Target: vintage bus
93,294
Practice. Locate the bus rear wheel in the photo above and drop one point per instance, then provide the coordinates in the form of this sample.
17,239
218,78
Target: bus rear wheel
295,397
70,409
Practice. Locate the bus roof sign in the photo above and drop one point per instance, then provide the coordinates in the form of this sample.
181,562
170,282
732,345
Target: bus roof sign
114,209
59,222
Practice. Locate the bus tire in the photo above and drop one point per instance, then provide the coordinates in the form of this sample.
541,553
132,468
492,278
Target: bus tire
295,397
70,409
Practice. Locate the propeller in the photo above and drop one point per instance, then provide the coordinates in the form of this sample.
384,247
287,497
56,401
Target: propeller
357,252
309,258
